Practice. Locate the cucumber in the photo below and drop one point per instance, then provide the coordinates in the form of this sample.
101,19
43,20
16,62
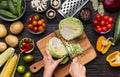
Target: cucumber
117,31
65,60
7,14
19,7
4,5
12,7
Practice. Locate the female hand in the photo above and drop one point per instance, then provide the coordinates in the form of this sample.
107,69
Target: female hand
77,69
49,64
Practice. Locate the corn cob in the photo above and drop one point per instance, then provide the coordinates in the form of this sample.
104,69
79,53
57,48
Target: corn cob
9,67
6,55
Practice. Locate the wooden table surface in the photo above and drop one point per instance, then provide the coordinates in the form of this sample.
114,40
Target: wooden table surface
96,68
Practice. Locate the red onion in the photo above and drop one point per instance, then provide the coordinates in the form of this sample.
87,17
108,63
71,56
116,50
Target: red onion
111,5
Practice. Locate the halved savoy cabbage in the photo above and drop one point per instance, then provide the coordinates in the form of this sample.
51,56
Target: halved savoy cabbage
70,28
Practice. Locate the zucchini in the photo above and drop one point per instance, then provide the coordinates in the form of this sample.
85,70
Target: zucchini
7,14
19,7
12,7
3,5
117,31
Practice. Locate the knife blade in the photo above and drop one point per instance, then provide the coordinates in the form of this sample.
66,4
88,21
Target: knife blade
63,44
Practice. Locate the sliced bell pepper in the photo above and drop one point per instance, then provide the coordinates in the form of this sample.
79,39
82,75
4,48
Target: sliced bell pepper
114,59
103,44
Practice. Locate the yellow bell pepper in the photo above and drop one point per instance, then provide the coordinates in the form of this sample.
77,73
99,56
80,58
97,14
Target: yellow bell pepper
114,59
103,44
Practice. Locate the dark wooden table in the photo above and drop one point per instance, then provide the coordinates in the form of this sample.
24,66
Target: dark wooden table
96,68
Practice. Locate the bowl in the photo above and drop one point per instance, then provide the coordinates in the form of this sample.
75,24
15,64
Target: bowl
26,45
103,32
39,5
103,24
85,14
36,24
9,19
51,14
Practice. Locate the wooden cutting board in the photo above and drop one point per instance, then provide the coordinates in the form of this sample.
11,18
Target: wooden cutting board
63,70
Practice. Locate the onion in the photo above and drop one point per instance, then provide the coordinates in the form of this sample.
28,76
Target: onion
111,5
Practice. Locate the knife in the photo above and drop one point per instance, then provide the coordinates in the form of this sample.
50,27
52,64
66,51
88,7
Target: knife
63,44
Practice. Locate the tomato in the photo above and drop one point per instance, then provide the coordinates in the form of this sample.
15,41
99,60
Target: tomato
43,25
43,20
105,18
40,22
30,26
36,17
98,17
34,23
110,20
21,69
40,28
109,26
30,20
99,29
96,22
35,29
98,26
104,29
102,23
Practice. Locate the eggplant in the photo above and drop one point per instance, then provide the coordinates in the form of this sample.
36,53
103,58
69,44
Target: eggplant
116,31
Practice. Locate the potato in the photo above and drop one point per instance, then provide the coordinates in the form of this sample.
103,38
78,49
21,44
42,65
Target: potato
3,31
16,27
3,46
11,40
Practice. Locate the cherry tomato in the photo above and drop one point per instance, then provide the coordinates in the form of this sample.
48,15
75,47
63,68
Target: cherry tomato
109,26
30,26
105,18
35,29
104,29
40,28
40,22
98,17
96,22
110,20
99,29
30,20
98,26
102,23
43,25
36,17
43,20
34,23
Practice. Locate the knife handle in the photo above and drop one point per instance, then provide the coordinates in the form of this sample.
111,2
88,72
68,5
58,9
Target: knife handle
36,66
